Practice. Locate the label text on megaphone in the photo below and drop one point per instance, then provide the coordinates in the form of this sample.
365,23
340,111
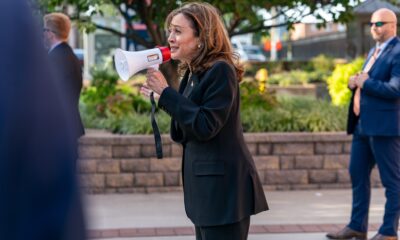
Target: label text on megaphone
153,57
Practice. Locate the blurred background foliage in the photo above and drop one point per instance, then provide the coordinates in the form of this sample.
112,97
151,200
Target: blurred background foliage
110,104
284,74
295,114
239,17
337,82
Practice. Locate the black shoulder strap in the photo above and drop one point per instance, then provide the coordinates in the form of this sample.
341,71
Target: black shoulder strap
156,131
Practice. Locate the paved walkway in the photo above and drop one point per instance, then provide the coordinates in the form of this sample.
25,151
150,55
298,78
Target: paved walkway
293,215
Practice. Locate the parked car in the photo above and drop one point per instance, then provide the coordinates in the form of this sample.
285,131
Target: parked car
254,53
249,53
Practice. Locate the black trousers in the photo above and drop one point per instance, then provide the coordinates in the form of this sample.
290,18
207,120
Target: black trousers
233,231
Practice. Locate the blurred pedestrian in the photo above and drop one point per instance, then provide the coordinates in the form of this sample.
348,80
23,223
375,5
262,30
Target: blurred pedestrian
221,186
65,64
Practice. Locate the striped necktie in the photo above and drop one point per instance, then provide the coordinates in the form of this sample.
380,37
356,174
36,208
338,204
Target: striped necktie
357,95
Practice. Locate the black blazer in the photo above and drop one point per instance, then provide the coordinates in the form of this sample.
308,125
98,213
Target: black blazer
69,72
380,95
220,180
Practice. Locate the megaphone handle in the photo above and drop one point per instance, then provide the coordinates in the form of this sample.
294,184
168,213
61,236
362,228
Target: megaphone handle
155,66
156,131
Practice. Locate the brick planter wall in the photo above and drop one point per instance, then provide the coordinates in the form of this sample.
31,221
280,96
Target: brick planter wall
127,163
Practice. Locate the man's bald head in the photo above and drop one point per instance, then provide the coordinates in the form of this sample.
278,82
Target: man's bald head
386,15
389,28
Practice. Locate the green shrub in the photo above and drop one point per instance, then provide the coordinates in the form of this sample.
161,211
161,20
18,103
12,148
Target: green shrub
121,109
338,81
141,124
295,77
128,122
317,70
274,67
297,114
250,96
109,105
318,76
103,84
322,63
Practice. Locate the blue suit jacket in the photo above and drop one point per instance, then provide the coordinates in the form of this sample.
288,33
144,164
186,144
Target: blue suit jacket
380,96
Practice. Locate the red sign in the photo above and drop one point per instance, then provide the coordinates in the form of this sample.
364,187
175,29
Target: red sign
268,45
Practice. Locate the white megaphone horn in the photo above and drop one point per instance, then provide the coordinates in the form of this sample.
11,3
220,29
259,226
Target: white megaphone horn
128,63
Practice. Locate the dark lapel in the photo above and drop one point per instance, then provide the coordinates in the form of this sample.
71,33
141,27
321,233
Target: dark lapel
184,82
194,82
386,51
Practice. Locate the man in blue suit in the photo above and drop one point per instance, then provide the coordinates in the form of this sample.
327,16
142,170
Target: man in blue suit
374,121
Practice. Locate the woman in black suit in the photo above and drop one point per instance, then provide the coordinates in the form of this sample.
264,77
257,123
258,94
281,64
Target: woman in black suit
221,185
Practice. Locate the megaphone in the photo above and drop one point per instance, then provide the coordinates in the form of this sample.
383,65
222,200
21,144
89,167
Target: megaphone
128,63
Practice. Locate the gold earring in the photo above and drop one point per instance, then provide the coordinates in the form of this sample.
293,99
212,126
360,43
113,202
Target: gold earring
199,46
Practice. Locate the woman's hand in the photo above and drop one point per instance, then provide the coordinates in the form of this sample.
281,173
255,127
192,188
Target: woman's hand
146,91
155,81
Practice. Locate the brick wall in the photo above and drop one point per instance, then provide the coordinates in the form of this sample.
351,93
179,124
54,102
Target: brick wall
127,163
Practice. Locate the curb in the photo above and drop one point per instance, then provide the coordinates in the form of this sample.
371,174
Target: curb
185,231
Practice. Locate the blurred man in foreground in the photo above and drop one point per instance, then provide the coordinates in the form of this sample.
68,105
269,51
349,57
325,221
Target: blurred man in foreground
39,194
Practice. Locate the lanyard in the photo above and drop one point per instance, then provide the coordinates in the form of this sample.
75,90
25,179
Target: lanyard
156,131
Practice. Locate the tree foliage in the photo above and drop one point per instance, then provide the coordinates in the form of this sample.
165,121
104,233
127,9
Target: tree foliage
240,16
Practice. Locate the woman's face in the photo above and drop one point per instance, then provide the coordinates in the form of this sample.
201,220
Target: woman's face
181,39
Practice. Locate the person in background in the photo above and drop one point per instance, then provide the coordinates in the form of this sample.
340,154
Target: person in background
39,192
65,64
374,121
220,181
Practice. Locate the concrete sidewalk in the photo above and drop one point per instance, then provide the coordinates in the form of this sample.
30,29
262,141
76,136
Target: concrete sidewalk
292,215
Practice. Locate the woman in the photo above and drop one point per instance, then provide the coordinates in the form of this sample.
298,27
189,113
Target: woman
220,181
